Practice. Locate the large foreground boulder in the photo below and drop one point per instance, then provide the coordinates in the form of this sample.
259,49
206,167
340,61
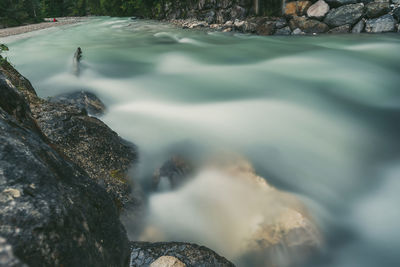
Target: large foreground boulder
51,212
144,254
348,14
84,140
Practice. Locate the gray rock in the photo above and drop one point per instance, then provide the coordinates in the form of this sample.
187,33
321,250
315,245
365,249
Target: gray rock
318,10
81,100
51,212
377,9
189,254
359,27
385,23
308,25
396,2
284,31
348,14
337,3
340,30
297,31
281,23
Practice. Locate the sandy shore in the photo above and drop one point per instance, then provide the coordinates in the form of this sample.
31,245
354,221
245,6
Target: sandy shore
39,26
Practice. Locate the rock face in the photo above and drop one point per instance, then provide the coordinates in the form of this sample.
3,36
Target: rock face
318,10
308,25
377,9
385,23
81,100
144,253
85,140
52,213
348,14
167,261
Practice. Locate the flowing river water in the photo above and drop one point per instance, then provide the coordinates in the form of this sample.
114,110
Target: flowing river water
316,116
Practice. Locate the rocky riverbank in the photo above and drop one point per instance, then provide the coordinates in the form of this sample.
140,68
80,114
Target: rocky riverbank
63,181
299,18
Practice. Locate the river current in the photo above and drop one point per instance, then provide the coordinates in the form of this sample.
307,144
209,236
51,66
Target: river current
316,116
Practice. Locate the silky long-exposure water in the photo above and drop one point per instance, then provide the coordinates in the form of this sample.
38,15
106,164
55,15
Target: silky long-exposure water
315,116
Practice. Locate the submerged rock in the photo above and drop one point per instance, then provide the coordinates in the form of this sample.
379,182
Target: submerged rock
318,10
173,173
144,253
52,213
348,14
385,23
81,100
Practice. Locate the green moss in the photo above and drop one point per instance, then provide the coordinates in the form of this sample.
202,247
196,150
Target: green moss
119,175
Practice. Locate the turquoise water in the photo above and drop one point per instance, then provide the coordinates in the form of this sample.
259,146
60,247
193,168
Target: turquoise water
316,116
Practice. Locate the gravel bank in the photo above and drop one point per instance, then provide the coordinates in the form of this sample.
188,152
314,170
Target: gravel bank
39,26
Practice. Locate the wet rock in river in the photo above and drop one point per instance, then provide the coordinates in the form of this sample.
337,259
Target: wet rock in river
348,14
144,253
81,100
385,23
173,173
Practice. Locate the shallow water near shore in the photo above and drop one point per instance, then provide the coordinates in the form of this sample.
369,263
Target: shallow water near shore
316,116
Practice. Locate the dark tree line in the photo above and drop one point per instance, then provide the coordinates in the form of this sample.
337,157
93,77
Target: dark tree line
17,12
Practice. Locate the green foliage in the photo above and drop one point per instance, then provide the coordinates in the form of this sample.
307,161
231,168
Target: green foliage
17,12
